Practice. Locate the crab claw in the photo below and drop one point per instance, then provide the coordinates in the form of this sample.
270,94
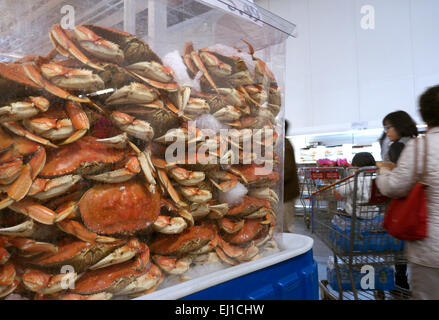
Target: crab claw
172,265
134,93
122,254
23,109
137,128
40,282
197,195
169,225
35,75
215,65
119,142
74,79
229,113
44,189
131,169
170,87
63,43
97,46
264,194
153,70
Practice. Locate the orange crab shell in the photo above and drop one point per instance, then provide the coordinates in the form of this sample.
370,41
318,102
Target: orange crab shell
120,208
191,239
78,155
250,230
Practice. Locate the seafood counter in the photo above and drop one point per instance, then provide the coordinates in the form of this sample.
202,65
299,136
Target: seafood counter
119,168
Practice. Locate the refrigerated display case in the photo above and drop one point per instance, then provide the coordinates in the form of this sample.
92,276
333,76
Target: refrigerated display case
141,141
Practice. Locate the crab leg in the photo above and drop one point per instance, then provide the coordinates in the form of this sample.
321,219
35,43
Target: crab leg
21,186
24,229
77,229
164,179
34,210
145,163
20,131
31,246
79,120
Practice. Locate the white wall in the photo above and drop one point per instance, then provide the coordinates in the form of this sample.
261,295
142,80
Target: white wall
339,73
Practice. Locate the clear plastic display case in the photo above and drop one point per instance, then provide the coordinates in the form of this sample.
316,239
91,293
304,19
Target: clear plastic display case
141,143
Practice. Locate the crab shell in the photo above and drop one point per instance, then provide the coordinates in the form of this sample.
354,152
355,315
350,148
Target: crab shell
78,254
121,208
86,156
191,239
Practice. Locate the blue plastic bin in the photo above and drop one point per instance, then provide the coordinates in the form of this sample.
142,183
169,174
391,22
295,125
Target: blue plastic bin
364,240
290,274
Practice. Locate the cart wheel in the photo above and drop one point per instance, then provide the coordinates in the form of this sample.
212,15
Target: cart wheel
379,295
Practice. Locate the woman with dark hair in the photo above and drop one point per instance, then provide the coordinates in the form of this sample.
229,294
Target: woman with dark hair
422,255
363,159
399,128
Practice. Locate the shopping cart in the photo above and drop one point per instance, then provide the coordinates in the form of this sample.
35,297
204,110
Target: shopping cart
312,179
348,216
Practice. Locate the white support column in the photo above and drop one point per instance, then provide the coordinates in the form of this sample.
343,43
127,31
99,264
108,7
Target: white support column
157,22
129,16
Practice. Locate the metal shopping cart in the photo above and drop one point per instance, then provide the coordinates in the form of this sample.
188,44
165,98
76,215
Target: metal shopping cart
347,216
312,179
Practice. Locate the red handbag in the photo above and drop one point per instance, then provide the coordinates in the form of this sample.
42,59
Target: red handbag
406,218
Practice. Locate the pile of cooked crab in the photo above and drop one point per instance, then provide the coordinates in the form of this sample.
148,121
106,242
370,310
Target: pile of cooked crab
84,180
